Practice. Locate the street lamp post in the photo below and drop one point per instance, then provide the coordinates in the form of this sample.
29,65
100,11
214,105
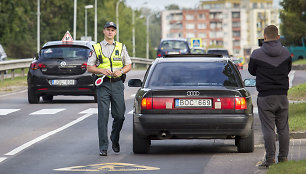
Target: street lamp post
38,25
133,31
74,19
86,7
96,25
117,18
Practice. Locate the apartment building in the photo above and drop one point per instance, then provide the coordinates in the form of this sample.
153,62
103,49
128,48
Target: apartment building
186,24
233,24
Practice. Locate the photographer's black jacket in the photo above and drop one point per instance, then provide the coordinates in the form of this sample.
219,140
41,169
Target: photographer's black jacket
271,65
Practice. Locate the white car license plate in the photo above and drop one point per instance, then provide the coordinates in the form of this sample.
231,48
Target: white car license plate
62,82
193,103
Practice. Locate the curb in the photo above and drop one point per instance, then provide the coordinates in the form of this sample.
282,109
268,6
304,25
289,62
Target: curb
297,135
298,67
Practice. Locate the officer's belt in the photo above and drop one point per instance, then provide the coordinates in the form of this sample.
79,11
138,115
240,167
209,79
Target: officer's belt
107,79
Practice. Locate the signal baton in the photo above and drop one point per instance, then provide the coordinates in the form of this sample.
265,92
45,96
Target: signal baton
99,80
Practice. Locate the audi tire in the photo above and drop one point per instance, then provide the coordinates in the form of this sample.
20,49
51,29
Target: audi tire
141,144
245,145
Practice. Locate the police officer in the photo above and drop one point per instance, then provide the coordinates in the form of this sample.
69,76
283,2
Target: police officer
110,59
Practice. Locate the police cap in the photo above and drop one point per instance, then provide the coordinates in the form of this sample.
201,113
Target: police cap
110,24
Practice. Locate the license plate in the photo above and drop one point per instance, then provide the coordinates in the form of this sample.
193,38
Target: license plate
173,52
62,82
193,103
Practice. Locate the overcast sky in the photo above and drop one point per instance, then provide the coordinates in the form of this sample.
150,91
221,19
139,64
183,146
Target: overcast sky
157,5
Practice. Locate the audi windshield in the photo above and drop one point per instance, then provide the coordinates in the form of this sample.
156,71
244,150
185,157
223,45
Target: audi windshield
193,74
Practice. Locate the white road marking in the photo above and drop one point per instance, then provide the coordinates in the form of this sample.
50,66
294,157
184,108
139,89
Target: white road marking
7,111
42,137
131,112
255,110
47,111
291,77
133,95
90,111
95,111
2,159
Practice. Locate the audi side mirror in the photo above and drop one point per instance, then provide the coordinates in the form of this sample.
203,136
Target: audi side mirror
134,83
250,82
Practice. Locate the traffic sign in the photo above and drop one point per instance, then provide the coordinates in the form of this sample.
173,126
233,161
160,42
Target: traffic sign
67,37
196,42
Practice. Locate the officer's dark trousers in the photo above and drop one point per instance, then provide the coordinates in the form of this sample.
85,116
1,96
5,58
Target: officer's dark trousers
273,111
110,93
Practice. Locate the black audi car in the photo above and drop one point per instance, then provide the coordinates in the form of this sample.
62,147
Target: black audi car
60,68
199,97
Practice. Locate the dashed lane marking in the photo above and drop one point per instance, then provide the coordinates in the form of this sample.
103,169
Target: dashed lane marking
7,111
47,111
109,167
90,110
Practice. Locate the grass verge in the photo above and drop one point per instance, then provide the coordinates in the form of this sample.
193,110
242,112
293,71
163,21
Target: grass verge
297,117
297,92
292,167
11,84
297,111
299,62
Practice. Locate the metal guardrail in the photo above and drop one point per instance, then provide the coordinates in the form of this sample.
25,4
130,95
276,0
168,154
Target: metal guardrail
13,65
25,63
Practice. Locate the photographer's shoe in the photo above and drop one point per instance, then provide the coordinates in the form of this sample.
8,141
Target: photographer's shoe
266,164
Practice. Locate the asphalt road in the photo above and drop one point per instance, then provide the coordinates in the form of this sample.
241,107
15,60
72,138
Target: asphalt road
61,137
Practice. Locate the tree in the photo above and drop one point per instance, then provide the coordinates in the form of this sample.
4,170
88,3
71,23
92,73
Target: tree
293,18
18,24
172,7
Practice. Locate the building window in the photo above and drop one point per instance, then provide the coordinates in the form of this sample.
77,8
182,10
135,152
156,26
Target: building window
201,26
212,34
236,24
235,14
236,33
190,35
236,51
236,43
214,25
236,5
202,16
189,26
189,17
215,15
219,34
202,35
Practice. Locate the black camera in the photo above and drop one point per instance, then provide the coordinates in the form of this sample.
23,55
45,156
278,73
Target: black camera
260,42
